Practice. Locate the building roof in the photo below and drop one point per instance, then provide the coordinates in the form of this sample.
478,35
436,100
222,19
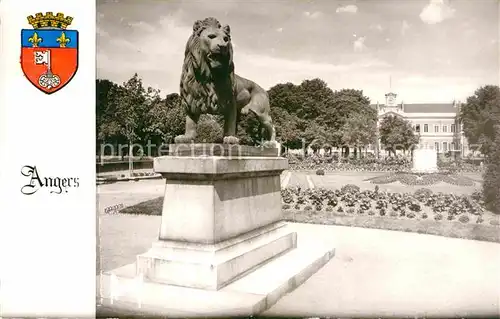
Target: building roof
426,107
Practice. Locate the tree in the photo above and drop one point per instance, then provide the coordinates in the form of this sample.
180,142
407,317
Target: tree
165,119
359,131
130,103
288,128
343,105
491,184
315,136
477,117
106,127
313,112
397,133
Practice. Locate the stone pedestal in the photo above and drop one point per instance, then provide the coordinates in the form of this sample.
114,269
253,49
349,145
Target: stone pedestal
221,236
424,161
221,218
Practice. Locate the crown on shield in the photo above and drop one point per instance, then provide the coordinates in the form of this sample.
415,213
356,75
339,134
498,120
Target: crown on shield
49,20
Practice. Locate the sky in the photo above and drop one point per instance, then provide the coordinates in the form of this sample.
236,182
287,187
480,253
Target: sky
422,50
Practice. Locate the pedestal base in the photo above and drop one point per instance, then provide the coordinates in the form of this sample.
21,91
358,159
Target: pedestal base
213,266
424,161
121,293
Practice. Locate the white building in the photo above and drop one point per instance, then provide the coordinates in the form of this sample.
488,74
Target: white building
436,123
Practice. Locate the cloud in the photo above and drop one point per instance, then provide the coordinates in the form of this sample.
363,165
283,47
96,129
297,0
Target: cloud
377,27
404,27
101,32
359,44
347,9
142,26
436,11
313,15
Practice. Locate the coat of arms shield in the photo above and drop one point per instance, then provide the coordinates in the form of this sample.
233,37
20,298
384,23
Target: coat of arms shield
49,52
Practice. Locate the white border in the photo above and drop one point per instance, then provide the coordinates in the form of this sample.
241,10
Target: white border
47,241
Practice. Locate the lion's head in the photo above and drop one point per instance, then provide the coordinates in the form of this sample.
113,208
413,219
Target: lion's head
208,61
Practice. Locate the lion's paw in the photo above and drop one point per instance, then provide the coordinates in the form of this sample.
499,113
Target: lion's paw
230,140
183,139
270,144
244,110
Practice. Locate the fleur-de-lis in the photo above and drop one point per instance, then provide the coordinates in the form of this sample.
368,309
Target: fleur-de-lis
63,40
35,39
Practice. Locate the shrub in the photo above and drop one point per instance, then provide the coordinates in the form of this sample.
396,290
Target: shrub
285,206
308,207
415,207
424,216
350,188
340,209
320,172
494,222
464,219
423,192
411,215
491,177
438,217
350,211
479,220
371,213
329,209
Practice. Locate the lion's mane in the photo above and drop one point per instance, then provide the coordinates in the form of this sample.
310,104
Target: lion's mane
200,87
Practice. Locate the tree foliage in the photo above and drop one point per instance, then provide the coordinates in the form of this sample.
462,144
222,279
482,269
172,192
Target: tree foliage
397,133
491,184
309,113
358,130
313,113
478,115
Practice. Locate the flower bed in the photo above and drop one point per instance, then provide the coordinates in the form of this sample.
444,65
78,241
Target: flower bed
420,205
387,164
413,179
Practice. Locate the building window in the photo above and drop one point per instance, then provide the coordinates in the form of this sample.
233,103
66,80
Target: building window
445,146
417,128
445,128
452,146
436,146
436,128
453,128
426,128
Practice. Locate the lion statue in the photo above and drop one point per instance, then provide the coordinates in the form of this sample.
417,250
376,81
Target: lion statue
210,86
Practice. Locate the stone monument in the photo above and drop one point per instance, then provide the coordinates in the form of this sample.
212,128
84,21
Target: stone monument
223,247
424,160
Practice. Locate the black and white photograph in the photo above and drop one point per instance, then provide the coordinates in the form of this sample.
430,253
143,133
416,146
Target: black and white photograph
298,158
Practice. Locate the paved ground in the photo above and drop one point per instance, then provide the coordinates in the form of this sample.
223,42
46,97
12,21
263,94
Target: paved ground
374,272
